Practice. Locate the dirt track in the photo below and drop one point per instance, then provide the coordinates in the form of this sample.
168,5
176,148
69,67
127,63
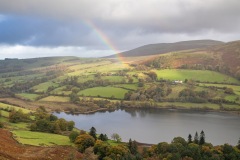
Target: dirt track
10,149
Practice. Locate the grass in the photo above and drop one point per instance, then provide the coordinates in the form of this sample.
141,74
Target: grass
4,113
44,86
197,75
104,92
19,126
235,88
113,143
55,99
39,138
61,91
7,106
28,96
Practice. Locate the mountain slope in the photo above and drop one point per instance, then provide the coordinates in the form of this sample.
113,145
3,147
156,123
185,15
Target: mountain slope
224,58
153,49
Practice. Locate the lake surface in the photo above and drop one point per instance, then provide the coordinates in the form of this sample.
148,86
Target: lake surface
154,126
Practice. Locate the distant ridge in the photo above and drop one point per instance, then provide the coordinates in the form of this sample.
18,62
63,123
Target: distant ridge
160,48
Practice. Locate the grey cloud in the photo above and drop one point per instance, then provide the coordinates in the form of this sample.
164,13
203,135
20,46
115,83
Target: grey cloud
127,23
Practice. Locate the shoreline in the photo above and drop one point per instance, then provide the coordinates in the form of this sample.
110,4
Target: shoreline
232,112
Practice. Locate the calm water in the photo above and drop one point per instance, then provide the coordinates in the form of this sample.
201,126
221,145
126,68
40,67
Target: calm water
153,126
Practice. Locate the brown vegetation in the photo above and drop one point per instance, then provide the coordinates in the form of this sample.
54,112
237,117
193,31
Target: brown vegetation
11,150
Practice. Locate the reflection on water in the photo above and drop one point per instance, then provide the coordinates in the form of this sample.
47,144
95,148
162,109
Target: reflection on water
155,125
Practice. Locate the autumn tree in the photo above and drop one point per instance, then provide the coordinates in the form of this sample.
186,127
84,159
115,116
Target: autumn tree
84,141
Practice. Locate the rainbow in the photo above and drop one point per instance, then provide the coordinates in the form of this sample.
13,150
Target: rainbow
105,39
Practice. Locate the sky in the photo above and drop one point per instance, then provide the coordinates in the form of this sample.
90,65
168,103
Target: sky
95,28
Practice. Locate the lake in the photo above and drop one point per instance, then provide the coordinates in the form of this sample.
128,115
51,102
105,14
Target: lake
155,125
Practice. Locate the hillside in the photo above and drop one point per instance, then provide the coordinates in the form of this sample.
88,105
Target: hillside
153,49
224,58
11,149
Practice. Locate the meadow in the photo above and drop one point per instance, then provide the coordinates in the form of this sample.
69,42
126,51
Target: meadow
197,75
40,139
104,92
43,87
28,96
55,99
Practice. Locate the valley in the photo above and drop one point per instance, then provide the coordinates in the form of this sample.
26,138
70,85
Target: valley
197,79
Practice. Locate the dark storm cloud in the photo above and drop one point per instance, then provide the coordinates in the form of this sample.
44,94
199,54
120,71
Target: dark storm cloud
127,23
38,31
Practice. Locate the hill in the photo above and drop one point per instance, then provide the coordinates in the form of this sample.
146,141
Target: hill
11,149
224,58
160,48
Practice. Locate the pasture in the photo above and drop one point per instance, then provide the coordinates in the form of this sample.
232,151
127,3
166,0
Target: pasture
9,107
106,92
43,87
197,75
40,139
28,96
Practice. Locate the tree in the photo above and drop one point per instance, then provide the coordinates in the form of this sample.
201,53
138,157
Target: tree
116,137
202,138
18,116
229,91
189,138
84,141
70,125
153,75
73,136
74,97
140,84
103,137
117,152
132,146
196,138
101,148
238,145
179,140
93,133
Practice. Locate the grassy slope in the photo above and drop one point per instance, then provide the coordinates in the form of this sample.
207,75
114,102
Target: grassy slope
55,99
104,92
28,96
39,138
198,75
44,86
7,106
23,135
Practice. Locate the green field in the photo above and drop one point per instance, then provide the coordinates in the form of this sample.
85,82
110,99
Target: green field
28,96
104,92
44,86
235,88
4,113
61,91
39,138
55,99
197,75
7,106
